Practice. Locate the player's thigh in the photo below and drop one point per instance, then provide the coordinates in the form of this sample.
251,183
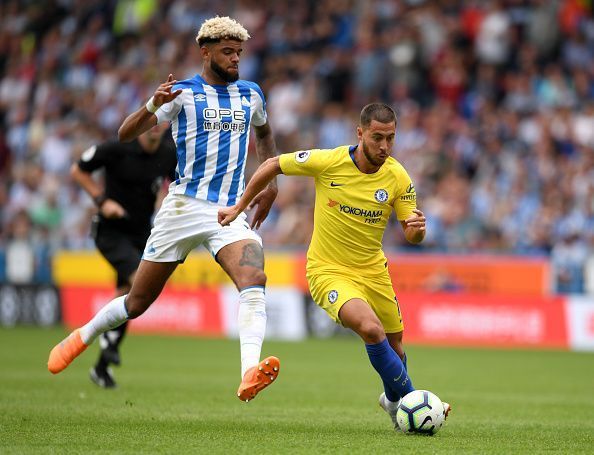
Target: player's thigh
357,315
180,226
238,250
331,291
384,303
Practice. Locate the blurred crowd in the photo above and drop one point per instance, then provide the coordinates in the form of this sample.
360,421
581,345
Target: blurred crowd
495,104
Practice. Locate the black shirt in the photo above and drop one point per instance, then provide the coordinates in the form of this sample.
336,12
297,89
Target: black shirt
133,178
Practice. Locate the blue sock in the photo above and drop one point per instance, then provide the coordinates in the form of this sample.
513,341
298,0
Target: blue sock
390,394
388,390
391,369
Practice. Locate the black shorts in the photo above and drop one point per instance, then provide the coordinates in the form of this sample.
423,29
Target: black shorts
122,251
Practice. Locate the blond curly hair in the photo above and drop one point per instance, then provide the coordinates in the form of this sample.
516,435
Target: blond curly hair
218,28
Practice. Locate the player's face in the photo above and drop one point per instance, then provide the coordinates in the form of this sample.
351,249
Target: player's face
377,141
224,59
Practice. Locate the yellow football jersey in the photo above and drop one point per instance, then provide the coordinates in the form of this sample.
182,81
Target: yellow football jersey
351,208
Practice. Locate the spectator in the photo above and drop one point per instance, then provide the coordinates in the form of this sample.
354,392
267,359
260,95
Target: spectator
20,255
495,103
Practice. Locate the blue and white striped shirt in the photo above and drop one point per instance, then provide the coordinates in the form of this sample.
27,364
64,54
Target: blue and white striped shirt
211,129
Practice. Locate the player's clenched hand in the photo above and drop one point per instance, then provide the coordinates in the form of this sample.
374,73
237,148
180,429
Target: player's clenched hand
111,209
227,215
416,221
163,93
263,201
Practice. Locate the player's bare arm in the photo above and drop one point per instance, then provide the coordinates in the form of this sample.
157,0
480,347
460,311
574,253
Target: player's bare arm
144,118
266,149
107,207
262,177
414,227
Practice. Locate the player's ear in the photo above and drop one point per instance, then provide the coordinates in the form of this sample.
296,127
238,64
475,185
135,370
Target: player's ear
205,51
359,132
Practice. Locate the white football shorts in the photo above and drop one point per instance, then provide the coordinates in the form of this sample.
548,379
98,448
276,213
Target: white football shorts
184,223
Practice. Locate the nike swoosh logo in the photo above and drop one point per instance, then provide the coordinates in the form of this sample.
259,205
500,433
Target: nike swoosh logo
336,184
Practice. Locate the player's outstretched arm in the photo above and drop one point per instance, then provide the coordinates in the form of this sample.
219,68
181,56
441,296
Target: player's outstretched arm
266,149
414,227
262,177
144,118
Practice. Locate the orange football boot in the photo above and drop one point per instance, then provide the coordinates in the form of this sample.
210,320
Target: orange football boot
65,352
258,378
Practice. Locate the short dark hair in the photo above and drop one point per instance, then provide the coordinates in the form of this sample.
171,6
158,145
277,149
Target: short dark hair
203,41
377,111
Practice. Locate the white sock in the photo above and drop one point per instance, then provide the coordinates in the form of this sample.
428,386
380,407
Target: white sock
393,405
252,326
109,317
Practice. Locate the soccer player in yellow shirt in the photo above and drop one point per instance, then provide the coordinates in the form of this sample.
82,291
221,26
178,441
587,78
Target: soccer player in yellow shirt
357,188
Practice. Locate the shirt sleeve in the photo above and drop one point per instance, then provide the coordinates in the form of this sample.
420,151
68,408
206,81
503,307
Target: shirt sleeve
96,157
406,200
305,162
168,111
259,116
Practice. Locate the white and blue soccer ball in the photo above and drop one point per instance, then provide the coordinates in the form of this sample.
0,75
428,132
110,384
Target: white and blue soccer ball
420,411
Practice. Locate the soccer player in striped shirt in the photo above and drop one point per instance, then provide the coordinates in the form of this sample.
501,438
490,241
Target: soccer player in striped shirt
210,116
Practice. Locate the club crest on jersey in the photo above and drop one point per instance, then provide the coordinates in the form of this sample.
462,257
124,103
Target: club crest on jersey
332,296
301,157
381,196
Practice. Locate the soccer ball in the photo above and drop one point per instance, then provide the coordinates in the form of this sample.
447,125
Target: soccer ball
420,411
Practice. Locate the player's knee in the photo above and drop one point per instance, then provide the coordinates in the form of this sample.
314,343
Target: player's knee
371,331
253,278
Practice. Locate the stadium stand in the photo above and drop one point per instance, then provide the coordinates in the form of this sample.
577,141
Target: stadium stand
495,102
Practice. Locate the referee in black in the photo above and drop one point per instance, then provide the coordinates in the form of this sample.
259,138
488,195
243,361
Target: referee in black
134,173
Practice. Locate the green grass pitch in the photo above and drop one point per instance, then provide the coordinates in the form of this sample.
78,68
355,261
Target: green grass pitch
177,395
